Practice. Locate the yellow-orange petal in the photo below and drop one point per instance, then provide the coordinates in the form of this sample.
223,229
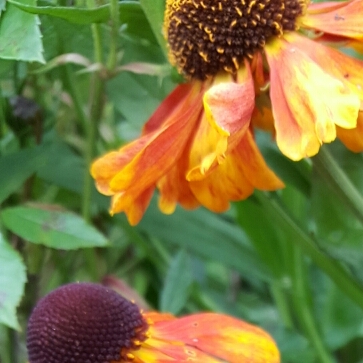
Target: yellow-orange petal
174,351
228,109
337,64
208,150
262,116
243,170
221,336
307,101
259,76
324,7
353,139
344,18
228,105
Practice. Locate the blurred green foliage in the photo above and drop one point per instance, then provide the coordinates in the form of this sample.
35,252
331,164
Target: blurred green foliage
287,261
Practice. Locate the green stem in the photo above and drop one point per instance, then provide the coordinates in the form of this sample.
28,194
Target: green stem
95,112
154,252
309,246
12,337
76,97
303,307
114,10
282,305
335,177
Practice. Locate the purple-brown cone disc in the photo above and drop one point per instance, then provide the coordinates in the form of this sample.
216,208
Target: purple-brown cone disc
82,323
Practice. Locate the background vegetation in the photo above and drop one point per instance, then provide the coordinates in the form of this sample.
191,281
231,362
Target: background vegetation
79,79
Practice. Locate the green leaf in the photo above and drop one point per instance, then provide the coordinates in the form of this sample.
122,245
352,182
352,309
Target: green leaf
206,235
140,90
52,228
335,222
66,169
2,6
20,37
251,218
177,284
297,174
16,168
154,10
341,320
79,15
12,281
293,347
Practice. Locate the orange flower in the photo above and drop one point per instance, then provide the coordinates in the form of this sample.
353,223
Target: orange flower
198,147
90,323
195,154
313,87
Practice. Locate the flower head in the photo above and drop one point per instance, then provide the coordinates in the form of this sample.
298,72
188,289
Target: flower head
90,323
313,88
207,37
198,147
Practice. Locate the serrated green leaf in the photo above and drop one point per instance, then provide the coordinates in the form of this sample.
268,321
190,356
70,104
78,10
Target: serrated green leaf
12,281
20,37
16,168
52,228
177,284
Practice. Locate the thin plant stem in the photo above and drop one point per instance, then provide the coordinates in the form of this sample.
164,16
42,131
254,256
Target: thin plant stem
309,246
13,344
282,304
114,10
95,112
335,177
303,307
76,97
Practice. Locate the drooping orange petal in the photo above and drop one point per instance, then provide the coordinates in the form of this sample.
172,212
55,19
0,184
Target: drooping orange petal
221,336
174,188
307,101
131,173
107,166
164,147
177,98
243,170
353,139
342,18
134,206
